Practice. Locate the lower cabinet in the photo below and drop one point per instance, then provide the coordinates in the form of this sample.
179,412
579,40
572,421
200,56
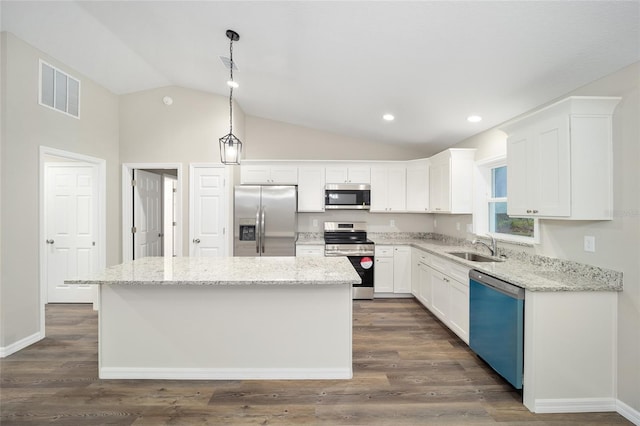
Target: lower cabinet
392,273
443,288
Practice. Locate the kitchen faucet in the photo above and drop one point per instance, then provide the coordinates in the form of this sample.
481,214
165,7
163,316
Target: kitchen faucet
493,248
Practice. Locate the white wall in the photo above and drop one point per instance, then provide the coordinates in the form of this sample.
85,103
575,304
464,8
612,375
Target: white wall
618,240
376,222
274,140
25,127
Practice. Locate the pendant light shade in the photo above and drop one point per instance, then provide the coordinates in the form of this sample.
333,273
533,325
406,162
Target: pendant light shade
230,145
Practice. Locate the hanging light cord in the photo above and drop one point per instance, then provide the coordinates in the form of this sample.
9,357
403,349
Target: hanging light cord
231,87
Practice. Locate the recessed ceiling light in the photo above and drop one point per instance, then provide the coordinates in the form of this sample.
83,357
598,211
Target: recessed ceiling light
388,117
474,118
232,84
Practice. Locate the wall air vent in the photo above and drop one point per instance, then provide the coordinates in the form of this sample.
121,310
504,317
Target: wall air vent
58,90
227,63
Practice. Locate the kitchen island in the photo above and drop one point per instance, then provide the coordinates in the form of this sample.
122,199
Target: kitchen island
225,318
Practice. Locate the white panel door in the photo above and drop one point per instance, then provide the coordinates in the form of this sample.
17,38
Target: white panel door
208,204
71,229
147,214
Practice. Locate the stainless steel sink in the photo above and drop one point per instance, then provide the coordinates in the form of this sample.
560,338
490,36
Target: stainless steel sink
474,257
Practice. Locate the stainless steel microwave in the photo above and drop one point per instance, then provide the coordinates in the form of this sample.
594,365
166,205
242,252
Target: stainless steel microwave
347,196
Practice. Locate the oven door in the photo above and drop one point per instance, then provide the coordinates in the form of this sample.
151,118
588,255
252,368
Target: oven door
364,267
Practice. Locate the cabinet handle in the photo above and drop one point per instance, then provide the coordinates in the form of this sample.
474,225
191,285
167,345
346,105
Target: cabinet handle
535,211
49,241
196,240
528,211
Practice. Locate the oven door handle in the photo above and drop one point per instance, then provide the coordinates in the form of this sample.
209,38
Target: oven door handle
346,253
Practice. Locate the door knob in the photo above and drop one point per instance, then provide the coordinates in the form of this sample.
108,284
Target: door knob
196,240
50,241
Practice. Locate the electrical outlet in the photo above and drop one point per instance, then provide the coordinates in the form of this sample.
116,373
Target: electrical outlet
315,223
469,228
392,223
435,223
457,226
589,243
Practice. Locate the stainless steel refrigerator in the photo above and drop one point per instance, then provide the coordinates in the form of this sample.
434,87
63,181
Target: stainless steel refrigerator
265,220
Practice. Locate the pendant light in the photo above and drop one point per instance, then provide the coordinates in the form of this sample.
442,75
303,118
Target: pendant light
230,146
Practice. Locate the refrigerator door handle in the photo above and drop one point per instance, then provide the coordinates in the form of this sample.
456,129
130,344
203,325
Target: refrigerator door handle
262,230
258,231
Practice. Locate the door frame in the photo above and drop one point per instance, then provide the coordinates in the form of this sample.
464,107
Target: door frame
228,211
101,226
127,205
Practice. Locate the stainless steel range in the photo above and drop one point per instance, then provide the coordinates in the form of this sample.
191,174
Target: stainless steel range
350,239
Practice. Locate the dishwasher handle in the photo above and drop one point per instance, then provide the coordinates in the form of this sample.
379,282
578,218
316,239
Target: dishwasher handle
502,286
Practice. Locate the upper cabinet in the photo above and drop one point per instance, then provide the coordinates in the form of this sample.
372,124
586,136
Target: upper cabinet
451,181
388,189
418,186
311,189
265,174
559,161
356,174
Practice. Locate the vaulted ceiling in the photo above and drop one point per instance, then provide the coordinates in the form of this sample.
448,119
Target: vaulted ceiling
341,65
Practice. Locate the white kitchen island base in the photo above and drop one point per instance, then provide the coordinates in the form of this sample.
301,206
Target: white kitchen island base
225,332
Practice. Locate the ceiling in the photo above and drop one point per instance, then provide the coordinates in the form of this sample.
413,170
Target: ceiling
340,65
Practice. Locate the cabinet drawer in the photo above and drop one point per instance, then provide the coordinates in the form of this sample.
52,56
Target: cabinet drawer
424,258
384,251
439,264
459,273
303,250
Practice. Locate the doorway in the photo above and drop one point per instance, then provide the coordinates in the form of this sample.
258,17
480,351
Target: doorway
72,224
151,210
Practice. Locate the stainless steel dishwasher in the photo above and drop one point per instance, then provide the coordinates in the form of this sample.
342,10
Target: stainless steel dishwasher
496,324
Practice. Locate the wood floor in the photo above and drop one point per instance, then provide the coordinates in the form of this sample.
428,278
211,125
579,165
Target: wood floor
408,370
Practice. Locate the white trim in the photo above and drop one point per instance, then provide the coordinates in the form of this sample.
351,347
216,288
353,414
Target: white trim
226,373
228,211
5,351
577,405
628,412
101,166
127,205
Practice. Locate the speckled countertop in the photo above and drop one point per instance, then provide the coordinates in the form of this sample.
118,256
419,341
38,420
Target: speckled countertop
227,271
531,272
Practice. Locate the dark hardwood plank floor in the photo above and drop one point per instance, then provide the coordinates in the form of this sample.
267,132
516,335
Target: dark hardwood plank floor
408,370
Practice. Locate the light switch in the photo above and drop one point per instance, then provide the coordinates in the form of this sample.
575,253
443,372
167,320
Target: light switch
589,243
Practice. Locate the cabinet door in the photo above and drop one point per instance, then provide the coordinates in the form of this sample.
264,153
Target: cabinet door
459,309
415,273
383,275
284,175
425,285
519,167
553,180
402,269
379,194
311,189
439,295
255,174
397,189
418,189
336,174
439,186
359,175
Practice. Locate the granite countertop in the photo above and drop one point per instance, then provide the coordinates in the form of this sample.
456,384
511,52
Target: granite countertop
533,273
227,271
310,238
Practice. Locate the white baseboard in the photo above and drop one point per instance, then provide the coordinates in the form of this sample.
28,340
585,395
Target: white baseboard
628,413
392,295
578,405
5,351
226,373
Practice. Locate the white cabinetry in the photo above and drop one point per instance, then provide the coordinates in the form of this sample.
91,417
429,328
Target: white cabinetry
306,250
356,174
311,189
383,273
269,174
418,186
421,277
559,161
402,269
388,189
444,290
393,269
451,181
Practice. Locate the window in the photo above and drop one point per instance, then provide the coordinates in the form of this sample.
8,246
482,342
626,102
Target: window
59,90
490,212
